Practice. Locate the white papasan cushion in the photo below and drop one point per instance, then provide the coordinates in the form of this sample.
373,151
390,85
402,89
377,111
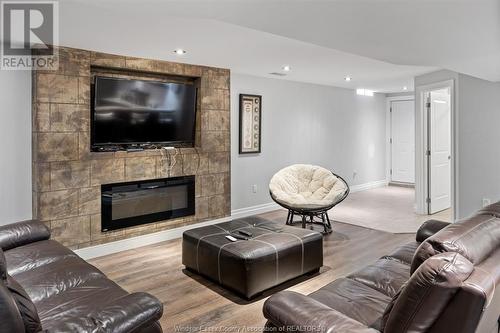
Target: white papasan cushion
303,184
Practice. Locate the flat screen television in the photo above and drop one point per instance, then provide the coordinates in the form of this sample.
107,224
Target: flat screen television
127,113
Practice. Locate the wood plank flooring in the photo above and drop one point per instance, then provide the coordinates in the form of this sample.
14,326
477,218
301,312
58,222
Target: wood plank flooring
192,302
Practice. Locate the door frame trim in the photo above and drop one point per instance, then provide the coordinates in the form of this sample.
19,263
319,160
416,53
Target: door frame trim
421,159
388,132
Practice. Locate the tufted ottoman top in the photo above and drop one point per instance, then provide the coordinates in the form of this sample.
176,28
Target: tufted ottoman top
273,254
306,186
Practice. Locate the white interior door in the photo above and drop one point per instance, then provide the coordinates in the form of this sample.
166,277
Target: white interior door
403,141
439,119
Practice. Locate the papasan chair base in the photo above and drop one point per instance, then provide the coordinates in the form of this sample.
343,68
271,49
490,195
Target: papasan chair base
308,191
320,218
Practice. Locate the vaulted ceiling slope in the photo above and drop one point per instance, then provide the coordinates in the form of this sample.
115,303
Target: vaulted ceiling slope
382,44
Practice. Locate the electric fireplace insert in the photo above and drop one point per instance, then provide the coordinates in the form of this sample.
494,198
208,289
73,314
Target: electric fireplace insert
140,202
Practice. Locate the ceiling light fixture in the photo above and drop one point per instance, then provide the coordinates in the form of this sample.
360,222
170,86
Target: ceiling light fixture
405,88
348,78
286,68
179,51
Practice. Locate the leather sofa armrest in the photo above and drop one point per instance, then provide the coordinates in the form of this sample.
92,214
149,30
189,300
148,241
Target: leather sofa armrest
22,233
294,312
429,228
129,313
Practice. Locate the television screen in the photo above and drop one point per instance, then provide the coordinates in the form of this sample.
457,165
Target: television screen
138,112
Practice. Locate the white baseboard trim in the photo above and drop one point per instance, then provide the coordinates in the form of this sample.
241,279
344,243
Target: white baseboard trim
254,210
161,236
143,240
369,186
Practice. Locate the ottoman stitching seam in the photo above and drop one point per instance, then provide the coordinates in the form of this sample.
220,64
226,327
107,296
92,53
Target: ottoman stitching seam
277,256
269,233
230,231
218,260
215,225
198,247
295,236
302,244
283,233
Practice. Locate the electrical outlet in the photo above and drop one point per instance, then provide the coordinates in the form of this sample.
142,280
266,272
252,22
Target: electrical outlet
254,188
486,202
354,174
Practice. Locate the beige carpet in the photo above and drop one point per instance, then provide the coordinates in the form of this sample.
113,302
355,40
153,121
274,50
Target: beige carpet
389,208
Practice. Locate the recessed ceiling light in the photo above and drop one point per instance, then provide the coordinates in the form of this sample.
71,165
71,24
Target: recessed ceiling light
286,68
348,78
179,51
405,88
278,73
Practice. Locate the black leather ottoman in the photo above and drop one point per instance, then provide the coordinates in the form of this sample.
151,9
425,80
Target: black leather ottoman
272,255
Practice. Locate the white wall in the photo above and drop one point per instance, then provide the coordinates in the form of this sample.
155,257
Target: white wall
15,136
478,143
307,123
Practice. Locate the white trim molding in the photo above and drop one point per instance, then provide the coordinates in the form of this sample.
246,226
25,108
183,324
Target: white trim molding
143,240
165,235
369,186
388,131
254,210
270,206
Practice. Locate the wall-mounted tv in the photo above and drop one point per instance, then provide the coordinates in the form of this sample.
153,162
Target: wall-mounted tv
127,113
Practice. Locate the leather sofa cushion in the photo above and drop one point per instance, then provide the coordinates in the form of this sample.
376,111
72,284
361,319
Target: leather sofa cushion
426,294
25,306
22,233
3,266
28,257
57,277
288,311
78,301
385,275
493,210
137,313
11,320
474,238
354,299
69,294
404,253
429,228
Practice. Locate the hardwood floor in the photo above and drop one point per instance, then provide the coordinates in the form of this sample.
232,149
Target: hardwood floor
191,302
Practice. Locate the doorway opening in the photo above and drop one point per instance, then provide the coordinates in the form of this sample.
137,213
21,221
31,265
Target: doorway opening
435,171
438,109
402,140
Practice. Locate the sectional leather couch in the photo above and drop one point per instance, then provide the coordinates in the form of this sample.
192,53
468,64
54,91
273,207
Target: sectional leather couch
446,281
45,286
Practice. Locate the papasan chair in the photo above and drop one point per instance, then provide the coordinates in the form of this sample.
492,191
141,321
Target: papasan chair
308,191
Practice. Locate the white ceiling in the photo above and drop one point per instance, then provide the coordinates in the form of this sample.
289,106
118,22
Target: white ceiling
382,44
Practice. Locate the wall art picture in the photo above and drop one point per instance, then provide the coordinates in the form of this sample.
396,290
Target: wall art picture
250,123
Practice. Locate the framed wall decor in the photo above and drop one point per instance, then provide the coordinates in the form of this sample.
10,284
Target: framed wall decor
250,123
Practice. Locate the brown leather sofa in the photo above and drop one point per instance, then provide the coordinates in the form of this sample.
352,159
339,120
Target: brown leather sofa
446,281
45,286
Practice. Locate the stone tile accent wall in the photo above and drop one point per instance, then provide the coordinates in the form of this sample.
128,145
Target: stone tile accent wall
67,175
